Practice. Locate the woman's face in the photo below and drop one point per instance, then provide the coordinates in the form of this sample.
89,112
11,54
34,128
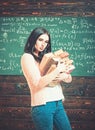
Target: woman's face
41,42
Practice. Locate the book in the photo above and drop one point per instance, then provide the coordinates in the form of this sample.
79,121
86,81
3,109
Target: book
50,61
52,67
47,60
60,53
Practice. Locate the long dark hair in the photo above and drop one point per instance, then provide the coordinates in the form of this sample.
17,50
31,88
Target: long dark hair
29,47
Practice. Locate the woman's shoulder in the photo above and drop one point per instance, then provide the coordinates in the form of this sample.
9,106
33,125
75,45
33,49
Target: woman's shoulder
27,56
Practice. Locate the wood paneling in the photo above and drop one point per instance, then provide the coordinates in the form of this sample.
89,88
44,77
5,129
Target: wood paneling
47,7
15,103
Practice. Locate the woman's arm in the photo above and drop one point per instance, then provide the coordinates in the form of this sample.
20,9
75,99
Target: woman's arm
67,78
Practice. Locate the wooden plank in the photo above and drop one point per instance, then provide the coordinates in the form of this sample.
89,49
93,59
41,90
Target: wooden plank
79,90
53,8
12,79
7,124
14,88
81,114
80,125
70,102
14,124
15,113
79,102
70,90
25,113
18,100
80,86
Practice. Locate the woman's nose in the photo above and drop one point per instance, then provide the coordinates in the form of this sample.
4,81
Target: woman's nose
43,43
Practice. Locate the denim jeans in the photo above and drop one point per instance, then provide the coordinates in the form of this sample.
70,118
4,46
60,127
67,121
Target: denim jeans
49,116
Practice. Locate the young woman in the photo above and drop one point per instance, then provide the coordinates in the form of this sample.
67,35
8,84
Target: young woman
47,109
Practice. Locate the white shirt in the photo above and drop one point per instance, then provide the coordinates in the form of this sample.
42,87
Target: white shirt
32,74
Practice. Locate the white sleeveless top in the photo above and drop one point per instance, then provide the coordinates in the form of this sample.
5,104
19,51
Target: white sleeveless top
32,75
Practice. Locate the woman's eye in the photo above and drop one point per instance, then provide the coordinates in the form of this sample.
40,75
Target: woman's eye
46,42
40,39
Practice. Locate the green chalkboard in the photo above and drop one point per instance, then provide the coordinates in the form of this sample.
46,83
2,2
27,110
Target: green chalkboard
73,34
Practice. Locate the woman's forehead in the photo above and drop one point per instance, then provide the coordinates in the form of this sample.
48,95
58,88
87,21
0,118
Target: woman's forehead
44,36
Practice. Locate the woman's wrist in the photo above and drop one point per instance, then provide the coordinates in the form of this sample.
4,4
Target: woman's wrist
67,78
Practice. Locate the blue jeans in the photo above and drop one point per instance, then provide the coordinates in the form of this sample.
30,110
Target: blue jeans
49,116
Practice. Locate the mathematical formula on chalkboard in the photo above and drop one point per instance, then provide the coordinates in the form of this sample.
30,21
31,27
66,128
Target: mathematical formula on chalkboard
73,34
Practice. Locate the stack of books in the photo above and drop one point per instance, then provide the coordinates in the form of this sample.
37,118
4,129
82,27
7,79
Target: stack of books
50,61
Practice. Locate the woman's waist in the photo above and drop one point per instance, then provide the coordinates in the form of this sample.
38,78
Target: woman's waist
46,95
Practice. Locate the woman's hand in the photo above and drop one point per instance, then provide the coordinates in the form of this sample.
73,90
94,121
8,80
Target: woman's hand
63,77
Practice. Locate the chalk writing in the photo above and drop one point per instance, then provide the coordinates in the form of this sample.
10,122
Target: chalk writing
73,34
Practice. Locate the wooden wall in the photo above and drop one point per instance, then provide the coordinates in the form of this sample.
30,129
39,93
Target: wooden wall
14,92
